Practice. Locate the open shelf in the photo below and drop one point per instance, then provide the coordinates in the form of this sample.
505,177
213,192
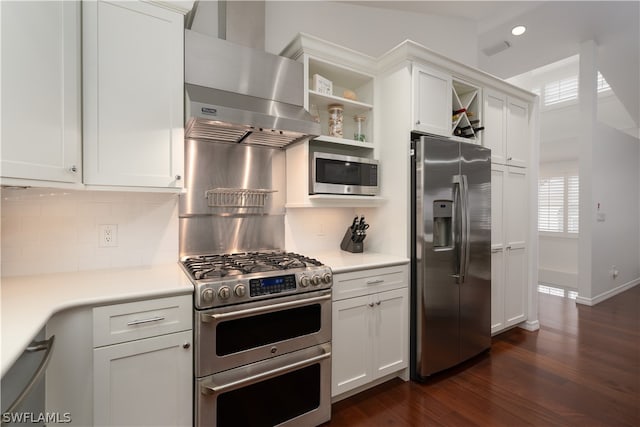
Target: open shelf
344,142
465,119
350,107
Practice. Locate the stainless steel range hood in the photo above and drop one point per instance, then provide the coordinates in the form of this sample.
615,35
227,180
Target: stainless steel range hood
243,95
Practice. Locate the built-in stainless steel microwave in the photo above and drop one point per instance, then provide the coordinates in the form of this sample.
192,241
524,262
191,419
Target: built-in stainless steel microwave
338,174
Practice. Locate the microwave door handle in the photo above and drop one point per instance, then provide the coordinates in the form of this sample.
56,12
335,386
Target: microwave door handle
244,381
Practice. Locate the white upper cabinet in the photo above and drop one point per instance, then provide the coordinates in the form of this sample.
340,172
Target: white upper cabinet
432,101
517,132
133,94
507,128
445,106
41,91
495,116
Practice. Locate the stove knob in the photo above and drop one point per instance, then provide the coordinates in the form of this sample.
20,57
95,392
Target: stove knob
304,281
326,278
315,280
240,290
224,292
207,295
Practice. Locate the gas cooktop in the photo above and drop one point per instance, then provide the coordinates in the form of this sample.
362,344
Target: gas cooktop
220,266
224,279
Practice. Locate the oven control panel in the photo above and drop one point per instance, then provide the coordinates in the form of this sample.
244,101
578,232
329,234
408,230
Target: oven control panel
271,285
265,285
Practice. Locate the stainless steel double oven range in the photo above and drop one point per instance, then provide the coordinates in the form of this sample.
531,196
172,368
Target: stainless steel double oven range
262,316
263,339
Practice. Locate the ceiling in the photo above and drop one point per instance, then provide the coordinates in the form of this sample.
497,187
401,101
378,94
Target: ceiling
555,30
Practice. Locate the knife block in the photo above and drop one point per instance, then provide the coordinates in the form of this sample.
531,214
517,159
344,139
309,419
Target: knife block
349,245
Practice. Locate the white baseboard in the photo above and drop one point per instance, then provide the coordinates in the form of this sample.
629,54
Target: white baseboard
607,294
530,325
402,374
561,279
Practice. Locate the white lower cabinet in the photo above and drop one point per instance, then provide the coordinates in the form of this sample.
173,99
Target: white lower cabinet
142,367
370,331
144,383
509,260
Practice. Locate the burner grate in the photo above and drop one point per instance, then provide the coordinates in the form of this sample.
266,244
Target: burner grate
219,266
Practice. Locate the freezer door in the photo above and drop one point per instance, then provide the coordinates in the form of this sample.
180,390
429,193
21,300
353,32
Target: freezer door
435,296
475,288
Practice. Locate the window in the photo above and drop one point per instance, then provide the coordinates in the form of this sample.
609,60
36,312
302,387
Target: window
551,204
558,204
602,83
561,91
573,208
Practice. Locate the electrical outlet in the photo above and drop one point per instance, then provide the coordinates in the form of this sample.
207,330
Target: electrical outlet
614,272
108,236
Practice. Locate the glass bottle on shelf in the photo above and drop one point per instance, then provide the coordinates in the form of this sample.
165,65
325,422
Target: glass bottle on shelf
358,134
335,120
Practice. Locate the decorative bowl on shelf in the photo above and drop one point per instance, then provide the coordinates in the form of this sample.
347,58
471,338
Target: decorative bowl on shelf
350,95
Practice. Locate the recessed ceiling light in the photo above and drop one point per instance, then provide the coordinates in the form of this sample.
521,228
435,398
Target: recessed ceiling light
518,30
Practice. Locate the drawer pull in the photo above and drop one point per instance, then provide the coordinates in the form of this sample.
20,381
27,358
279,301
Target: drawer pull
375,282
143,321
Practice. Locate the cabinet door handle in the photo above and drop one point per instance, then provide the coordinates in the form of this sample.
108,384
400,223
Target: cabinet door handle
509,158
186,345
178,177
370,304
375,282
378,302
73,169
417,122
142,321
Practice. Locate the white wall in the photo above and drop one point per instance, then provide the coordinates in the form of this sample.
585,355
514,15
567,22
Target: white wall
316,230
49,231
561,138
616,188
369,30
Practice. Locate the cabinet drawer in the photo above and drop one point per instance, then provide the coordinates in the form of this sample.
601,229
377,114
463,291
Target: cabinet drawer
141,319
365,282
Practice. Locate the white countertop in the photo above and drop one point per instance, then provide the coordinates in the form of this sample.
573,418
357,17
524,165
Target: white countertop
342,262
28,302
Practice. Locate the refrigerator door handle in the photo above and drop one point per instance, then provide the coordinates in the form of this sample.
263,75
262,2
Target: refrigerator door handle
458,230
466,228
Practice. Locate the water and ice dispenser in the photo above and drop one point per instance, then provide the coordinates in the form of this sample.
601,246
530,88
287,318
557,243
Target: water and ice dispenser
442,224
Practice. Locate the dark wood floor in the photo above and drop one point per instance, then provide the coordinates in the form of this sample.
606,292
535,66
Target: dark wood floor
582,368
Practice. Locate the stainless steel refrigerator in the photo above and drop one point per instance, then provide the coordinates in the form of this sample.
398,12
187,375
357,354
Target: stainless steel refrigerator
451,253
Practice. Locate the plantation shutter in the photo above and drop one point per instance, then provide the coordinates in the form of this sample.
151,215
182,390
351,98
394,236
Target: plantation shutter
551,204
573,208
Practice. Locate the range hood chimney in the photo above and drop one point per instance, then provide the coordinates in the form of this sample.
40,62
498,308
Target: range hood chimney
237,93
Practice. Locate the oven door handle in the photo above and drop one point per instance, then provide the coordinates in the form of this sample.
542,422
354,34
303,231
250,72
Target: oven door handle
244,381
205,317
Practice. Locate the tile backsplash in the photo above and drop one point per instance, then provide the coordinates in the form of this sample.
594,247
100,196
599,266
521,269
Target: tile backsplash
52,230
